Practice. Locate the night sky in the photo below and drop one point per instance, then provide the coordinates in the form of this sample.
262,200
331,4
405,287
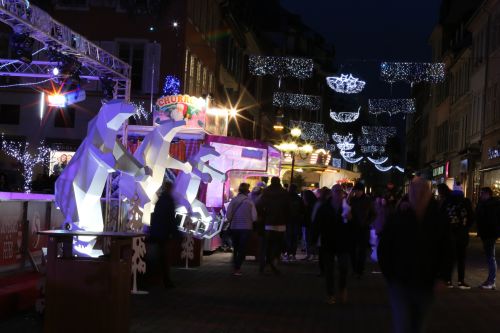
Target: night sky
367,32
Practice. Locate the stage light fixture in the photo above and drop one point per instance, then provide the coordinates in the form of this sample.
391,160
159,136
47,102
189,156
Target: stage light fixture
22,46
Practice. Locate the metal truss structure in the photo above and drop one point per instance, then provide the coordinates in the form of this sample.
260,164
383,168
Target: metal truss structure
96,62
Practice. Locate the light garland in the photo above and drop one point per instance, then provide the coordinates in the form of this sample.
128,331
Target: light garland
20,152
391,106
172,85
412,72
345,84
310,131
296,101
372,149
387,131
377,161
345,117
349,157
300,68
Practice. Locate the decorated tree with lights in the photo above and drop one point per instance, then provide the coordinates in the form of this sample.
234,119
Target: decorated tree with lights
28,160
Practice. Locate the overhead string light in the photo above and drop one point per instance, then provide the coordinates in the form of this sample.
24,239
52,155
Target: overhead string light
387,131
391,106
310,131
372,149
377,161
345,117
300,68
349,157
296,101
368,139
20,152
412,72
387,168
345,84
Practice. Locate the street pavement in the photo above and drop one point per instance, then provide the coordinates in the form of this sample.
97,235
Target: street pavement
210,299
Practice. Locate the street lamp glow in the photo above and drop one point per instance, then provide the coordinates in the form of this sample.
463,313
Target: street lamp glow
175,24
296,132
233,112
307,148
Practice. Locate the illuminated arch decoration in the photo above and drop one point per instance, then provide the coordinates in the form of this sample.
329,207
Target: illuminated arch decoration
377,161
345,117
300,68
345,84
391,106
296,101
412,72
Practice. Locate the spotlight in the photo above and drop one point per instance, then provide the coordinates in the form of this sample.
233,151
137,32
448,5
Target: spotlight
55,71
151,28
175,24
22,46
56,100
233,112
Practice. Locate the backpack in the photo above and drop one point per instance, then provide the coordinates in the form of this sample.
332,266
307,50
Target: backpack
457,214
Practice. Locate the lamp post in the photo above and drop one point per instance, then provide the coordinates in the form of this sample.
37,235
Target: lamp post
293,149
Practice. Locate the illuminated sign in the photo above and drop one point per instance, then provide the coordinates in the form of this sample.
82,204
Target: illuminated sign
178,107
438,171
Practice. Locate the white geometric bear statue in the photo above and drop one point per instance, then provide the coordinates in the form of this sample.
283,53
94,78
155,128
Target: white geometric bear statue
187,186
79,188
154,153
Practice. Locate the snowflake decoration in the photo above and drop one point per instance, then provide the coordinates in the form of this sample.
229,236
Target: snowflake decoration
345,84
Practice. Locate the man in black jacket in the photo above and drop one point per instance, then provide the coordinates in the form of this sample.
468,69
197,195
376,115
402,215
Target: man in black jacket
487,226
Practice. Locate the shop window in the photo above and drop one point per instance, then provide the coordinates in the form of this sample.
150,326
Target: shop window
64,118
9,114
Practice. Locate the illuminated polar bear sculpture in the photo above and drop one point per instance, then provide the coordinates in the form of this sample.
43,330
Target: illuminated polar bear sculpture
79,188
154,153
186,188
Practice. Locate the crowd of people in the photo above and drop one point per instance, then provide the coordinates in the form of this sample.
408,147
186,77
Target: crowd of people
418,240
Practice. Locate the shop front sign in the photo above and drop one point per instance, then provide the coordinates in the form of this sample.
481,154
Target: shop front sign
438,171
179,107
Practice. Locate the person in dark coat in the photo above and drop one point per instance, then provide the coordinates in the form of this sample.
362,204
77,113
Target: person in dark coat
309,200
163,228
487,215
294,223
363,214
334,235
274,207
411,255
457,211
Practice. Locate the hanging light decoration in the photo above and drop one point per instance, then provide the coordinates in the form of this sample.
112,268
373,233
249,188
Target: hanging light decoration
387,131
172,85
345,117
310,131
400,169
391,106
342,138
367,140
296,101
412,72
349,157
300,68
387,168
28,161
345,84
372,149
345,146
377,161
